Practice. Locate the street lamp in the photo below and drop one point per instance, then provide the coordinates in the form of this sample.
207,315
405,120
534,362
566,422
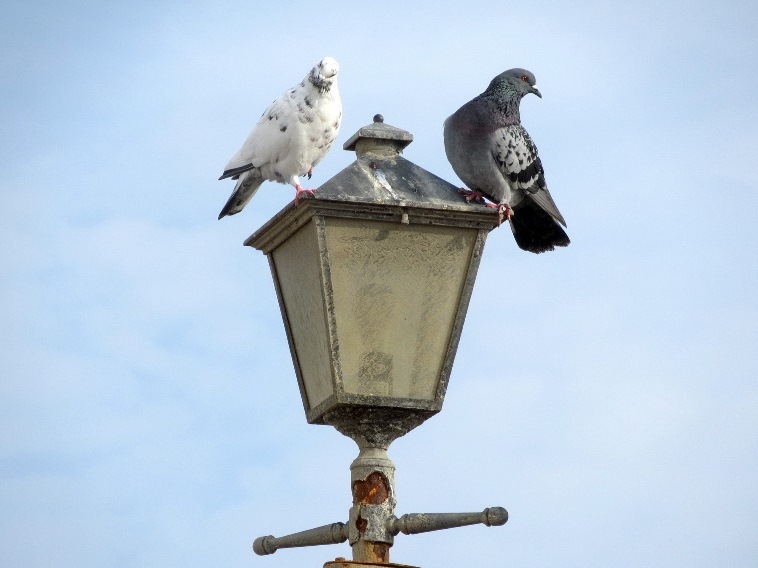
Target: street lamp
374,276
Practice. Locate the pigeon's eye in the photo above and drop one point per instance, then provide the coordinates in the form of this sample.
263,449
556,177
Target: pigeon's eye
524,78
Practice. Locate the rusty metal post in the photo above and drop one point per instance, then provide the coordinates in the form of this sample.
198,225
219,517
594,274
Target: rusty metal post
372,475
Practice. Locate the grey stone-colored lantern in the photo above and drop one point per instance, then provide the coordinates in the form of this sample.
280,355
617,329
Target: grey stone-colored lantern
374,276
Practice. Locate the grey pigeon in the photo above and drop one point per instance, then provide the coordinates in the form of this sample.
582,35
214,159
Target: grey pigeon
495,157
291,137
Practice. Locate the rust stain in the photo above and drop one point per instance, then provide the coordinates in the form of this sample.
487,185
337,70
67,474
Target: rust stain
373,491
361,524
381,552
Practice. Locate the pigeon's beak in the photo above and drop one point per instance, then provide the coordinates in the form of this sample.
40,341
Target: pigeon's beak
536,91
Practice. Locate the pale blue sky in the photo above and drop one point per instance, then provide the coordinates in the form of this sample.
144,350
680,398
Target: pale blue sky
605,394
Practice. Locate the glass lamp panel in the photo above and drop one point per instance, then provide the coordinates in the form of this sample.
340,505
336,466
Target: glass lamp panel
300,283
396,291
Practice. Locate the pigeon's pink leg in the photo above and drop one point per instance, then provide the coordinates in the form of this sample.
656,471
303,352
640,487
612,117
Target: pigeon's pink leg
310,173
504,212
299,190
499,216
472,195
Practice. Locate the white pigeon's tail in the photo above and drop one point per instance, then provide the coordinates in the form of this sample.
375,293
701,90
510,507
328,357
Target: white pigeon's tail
247,184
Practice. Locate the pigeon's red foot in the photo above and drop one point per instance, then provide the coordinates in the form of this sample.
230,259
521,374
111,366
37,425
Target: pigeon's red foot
504,212
299,191
472,195
310,173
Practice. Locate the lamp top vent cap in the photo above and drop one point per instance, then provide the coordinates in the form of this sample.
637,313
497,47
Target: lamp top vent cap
378,132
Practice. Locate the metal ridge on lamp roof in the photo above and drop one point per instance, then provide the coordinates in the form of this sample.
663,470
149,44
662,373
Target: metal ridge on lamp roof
378,130
381,175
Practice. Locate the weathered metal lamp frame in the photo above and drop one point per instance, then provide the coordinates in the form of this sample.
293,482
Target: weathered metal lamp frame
381,195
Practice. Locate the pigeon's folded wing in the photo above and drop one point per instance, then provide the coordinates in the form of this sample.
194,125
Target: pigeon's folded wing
519,162
270,139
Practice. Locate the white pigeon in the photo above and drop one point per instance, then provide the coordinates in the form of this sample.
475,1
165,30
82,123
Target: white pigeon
291,137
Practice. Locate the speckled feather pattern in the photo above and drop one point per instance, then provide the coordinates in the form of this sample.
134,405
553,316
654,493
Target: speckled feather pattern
517,158
292,136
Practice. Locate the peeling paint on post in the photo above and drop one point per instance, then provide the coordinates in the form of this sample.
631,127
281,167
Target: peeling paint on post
372,476
374,490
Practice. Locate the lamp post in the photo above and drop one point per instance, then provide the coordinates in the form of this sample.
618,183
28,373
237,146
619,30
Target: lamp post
374,276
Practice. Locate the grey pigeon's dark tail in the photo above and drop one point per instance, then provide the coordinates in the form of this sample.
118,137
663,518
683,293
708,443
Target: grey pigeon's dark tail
535,229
